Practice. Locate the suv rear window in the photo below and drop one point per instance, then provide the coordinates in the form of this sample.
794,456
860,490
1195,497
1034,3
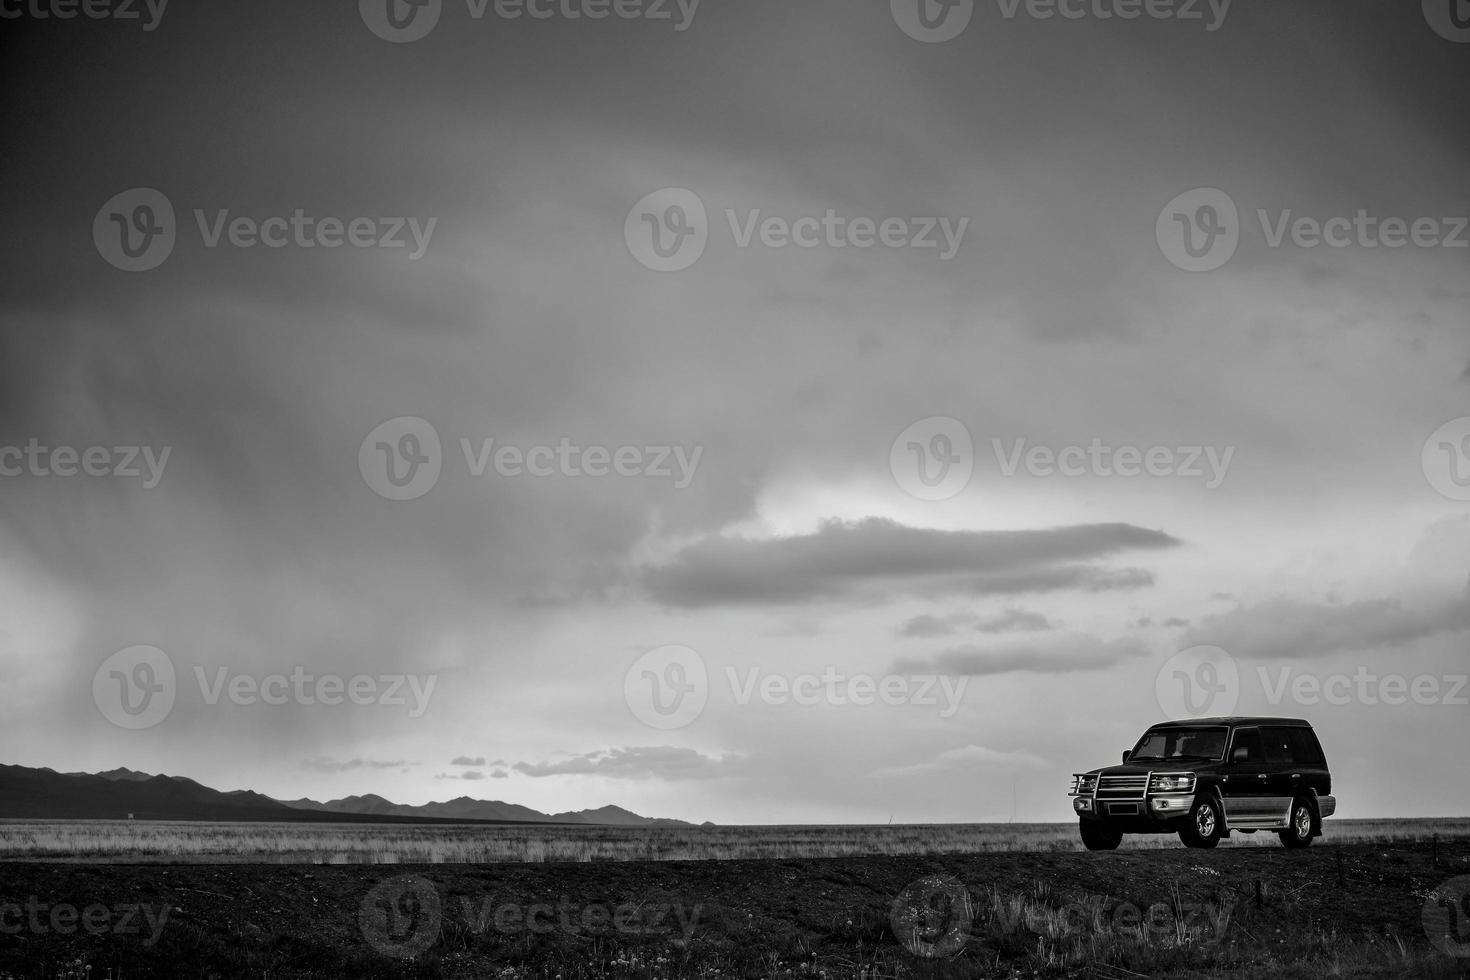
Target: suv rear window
1278,746
1304,748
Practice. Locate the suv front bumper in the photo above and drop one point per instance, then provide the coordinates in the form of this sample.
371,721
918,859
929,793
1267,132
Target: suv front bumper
1164,806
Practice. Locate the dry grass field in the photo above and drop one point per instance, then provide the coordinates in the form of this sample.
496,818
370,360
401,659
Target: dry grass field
173,842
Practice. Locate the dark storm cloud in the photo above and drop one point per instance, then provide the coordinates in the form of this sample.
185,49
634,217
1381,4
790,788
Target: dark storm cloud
1283,628
843,558
928,624
472,774
330,765
1010,620
1014,620
527,320
637,762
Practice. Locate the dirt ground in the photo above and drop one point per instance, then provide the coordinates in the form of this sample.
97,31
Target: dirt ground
1354,911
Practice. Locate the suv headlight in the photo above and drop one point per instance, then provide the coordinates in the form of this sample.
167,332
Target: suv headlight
1083,785
1175,783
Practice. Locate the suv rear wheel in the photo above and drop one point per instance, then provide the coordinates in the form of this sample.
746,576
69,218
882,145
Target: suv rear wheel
1299,833
1099,837
1203,828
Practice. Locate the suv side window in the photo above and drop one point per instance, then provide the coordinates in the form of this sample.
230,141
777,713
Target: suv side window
1305,749
1250,740
1280,750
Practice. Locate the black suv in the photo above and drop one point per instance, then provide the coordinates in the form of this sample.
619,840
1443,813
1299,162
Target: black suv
1207,777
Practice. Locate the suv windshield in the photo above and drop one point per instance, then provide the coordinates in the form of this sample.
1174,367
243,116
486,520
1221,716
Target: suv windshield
1203,744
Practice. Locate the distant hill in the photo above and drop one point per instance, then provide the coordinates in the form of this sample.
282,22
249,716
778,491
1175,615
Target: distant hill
464,808
44,794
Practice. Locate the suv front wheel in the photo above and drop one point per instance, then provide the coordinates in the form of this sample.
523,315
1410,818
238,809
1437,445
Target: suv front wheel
1099,837
1299,832
1203,828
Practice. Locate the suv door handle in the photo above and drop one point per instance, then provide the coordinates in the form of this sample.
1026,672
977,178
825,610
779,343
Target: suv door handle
1261,776
1296,775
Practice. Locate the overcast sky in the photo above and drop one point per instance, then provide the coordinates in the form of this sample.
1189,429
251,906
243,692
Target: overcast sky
1304,510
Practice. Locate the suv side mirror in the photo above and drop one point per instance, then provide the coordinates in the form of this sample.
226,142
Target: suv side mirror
1125,755
1241,754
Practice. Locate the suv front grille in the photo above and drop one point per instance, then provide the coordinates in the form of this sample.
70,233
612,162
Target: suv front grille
1122,787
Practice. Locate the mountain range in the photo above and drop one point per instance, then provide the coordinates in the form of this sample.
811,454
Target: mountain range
118,794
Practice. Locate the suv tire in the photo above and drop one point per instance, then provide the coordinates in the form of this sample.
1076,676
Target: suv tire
1299,833
1099,837
1203,827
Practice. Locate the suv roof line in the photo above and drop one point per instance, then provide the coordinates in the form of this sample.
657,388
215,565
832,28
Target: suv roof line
1235,720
